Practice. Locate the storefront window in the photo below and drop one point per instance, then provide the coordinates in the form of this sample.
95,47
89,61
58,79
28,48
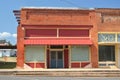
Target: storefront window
106,53
79,53
35,53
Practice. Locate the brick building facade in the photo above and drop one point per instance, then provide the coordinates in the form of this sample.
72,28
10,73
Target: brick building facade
68,37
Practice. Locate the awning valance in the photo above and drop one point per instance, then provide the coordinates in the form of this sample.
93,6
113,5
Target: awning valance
58,41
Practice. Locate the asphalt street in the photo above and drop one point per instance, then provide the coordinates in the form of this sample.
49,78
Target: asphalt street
11,77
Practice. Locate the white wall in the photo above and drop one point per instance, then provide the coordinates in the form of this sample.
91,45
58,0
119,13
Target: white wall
7,52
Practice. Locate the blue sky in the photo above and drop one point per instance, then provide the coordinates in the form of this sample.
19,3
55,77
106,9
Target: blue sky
8,24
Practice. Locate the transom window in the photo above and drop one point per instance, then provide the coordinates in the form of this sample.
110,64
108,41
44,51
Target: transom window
118,37
56,47
106,37
109,37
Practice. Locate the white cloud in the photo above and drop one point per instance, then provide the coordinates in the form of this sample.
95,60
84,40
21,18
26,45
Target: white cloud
5,35
14,35
9,37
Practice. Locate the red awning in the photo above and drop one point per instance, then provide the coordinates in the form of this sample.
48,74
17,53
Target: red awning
58,41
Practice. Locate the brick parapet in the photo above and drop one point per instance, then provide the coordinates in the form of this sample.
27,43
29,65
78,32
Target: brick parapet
55,17
109,19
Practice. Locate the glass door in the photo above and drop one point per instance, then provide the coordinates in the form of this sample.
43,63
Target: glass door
56,59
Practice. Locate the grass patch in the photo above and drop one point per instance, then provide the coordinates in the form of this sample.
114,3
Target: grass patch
7,65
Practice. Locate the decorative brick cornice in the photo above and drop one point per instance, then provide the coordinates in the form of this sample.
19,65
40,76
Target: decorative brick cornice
57,11
108,11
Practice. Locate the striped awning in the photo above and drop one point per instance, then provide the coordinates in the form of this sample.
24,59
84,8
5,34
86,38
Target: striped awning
58,41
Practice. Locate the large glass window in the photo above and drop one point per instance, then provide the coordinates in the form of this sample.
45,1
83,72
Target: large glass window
106,53
79,53
34,53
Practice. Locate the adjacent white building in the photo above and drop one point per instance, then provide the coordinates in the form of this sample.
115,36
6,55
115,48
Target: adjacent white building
8,52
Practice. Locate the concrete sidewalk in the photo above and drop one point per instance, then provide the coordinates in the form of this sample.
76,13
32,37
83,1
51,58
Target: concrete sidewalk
63,72
73,69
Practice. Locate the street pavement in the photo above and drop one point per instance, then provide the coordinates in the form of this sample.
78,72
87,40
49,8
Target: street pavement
11,77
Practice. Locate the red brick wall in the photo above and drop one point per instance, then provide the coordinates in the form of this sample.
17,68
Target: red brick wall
20,47
55,17
94,38
60,17
109,20
102,20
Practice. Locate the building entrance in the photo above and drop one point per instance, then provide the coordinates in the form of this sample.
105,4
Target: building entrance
56,59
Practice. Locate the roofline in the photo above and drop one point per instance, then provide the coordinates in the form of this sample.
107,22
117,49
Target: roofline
59,8
17,12
107,8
